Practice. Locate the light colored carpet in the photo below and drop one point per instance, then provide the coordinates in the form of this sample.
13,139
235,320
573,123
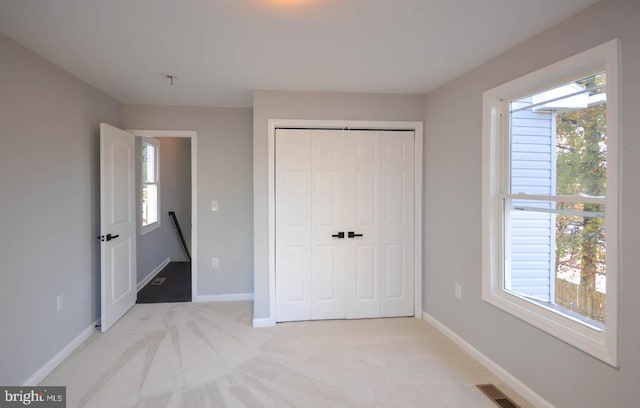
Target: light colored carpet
208,355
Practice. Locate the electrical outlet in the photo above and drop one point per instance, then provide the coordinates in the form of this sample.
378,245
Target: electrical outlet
60,302
215,262
458,291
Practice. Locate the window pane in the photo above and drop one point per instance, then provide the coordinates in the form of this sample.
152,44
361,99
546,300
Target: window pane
558,140
556,254
149,204
531,249
148,163
580,261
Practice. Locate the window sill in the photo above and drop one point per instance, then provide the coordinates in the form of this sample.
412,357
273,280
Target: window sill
592,340
149,228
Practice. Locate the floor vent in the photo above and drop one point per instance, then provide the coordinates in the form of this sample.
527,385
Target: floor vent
493,393
158,281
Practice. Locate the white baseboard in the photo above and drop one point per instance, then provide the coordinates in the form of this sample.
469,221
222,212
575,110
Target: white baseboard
51,365
265,322
223,298
505,376
153,273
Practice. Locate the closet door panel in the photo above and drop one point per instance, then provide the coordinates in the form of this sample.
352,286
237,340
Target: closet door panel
397,223
293,225
328,214
363,204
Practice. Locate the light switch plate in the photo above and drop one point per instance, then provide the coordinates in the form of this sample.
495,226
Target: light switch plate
214,205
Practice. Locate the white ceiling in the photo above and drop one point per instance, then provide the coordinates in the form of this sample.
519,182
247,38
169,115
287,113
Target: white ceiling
223,50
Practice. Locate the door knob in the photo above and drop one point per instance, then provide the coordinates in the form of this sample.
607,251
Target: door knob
110,237
338,235
353,234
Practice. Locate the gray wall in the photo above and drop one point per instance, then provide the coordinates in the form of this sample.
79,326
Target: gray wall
175,195
224,174
307,105
49,200
453,129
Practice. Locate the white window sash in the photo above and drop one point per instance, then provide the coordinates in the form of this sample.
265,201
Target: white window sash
156,173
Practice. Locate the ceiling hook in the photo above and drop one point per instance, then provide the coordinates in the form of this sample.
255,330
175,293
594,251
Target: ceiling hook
170,77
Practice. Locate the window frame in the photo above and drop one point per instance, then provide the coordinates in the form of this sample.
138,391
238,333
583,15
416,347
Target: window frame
145,229
601,344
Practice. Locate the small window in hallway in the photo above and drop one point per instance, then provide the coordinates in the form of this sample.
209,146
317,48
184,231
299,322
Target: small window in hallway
150,185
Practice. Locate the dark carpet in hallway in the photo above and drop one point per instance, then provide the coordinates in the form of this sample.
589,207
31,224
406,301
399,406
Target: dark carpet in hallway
175,288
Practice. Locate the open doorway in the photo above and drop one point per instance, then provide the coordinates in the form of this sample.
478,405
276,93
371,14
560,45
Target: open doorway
164,183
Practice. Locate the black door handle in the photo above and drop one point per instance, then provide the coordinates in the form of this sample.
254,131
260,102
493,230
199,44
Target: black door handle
110,237
338,235
353,234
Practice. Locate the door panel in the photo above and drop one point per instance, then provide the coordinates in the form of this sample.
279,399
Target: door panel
397,227
117,220
121,283
120,158
363,198
326,186
394,284
394,197
293,225
328,254
297,286
365,277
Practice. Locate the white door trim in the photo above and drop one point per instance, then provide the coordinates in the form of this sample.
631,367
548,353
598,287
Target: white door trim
194,195
415,126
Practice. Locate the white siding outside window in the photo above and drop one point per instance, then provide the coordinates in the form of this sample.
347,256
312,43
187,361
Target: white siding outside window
533,169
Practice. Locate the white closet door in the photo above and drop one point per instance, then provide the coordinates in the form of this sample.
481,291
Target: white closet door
310,209
328,209
358,182
293,225
397,223
363,204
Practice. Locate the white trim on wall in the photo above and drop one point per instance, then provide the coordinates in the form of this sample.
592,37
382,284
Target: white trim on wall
505,376
275,123
153,273
263,322
194,195
230,297
55,361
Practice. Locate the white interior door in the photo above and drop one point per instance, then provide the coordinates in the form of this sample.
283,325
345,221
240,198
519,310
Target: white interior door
380,215
310,214
117,224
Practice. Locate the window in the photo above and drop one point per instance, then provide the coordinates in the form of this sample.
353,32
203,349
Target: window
550,199
150,185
